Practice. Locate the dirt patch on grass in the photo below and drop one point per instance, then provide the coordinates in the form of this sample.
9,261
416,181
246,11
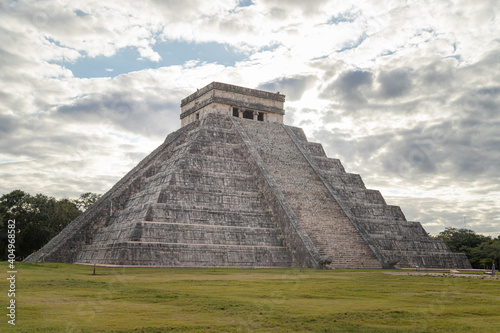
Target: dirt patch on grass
447,275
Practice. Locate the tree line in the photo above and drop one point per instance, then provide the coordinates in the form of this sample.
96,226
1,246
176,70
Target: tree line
481,250
40,217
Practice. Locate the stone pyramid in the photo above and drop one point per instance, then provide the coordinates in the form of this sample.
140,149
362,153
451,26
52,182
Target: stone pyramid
235,187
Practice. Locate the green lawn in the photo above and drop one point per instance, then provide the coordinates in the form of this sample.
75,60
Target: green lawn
68,298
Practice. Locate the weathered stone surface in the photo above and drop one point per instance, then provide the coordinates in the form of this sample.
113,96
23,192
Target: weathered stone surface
385,226
233,192
320,215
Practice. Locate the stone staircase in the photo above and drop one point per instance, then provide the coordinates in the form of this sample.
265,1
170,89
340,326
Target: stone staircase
332,233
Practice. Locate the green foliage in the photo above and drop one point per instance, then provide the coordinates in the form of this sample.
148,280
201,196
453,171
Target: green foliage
68,298
38,218
480,250
86,200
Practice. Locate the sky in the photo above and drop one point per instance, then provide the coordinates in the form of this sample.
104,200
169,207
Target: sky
404,93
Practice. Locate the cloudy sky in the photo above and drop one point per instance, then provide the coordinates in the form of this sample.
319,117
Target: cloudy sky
405,93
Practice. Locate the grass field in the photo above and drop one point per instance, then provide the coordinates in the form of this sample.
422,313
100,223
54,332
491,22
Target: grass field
68,298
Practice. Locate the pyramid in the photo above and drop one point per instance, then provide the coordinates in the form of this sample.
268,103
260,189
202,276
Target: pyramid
235,187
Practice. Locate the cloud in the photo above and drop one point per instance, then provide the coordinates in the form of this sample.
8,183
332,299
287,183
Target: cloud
7,123
350,87
307,8
394,83
293,87
125,112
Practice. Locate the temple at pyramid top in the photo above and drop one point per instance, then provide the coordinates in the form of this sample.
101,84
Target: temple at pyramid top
222,98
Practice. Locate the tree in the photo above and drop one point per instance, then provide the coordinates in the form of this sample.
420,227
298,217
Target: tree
491,249
86,200
461,239
38,218
480,250
485,262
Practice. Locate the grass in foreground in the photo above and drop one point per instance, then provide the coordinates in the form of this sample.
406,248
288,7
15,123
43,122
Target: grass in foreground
68,298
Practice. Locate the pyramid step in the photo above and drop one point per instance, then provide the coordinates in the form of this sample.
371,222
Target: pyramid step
213,164
231,217
197,194
243,229
429,259
372,223
331,165
213,149
360,195
172,232
408,244
218,134
212,201
185,255
314,148
217,181
344,179
211,245
299,133
208,234
376,211
395,228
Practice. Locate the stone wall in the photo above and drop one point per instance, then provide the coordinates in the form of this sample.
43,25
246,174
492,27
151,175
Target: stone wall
220,98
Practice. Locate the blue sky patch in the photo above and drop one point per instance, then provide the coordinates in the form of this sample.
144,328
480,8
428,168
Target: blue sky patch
80,13
178,52
353,44
128,59
343,17
245,3
123,61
